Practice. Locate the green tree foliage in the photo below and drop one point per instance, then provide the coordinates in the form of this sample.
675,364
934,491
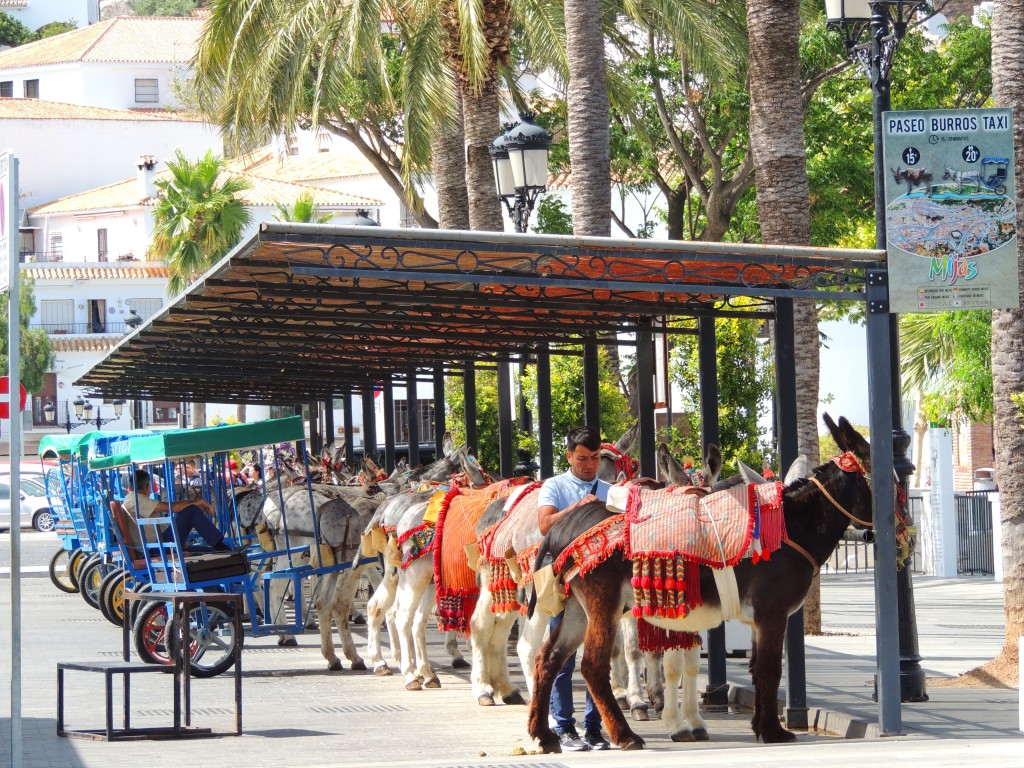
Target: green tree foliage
552,217
745,384
304,211
198,219
56,28
13,32
486,415
164,7
37,356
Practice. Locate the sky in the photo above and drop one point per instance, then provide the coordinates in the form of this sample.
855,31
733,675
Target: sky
844,373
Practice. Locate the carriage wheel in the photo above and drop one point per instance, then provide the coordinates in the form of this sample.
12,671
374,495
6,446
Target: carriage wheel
76,561
136,605
212,632
60,571
91,579
111,601
1000,189
150,633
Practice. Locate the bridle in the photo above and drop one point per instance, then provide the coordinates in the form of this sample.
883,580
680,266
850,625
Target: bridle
624,463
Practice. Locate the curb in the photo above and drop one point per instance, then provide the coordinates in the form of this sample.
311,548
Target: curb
818,719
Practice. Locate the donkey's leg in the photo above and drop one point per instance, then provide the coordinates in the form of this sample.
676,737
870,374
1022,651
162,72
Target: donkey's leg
672,662
634,660
655,682
481,628
341,610
691,710
767,671
562,643
604,607
451,644
412,584
379,603
620,674
424,671
531,637
324,610
278,588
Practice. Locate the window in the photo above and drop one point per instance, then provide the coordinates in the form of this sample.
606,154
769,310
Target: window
31,89
27,244
281,411
165,412
57,315
147,90
425,421
144,308
7,88
46,394
408,218
56,252
101,244
97,315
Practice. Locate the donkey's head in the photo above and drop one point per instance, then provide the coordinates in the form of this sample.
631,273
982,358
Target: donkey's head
855,465
672,471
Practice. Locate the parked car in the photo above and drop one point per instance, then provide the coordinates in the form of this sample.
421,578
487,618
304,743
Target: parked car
35,507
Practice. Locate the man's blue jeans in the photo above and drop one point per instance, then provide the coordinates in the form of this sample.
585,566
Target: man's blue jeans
189,519
561,697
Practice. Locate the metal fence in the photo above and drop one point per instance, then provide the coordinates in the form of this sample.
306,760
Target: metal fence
975,552
82,329
859,556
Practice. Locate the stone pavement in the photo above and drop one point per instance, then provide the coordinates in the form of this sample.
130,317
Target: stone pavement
298,713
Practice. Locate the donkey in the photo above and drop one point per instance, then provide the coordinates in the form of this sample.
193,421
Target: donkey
816,512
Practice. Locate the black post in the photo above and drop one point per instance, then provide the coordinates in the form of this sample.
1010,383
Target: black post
912,677
785,398
507,456
369,424
645,396
716,697
389,425
469,405
591,385
350,447
329,432
525,417
544,430
439,420
413,407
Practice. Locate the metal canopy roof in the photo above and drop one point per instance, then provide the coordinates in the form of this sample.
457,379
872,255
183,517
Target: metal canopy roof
302,311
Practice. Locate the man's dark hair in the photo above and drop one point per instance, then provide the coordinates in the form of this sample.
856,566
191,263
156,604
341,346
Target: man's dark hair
588,437
140,478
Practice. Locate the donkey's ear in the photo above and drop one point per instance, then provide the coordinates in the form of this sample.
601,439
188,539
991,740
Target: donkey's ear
750,476
626,444
797,470
447,444
855,442
712,463
669,469
837,434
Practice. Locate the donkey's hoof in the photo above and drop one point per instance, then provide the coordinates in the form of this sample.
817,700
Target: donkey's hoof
639,713
383,671
358,619
485,700
433,682
623,703
551,745
287,641
683,735
460,663
358,665
414,685
701,734
514,698
781,736
334,666
632,742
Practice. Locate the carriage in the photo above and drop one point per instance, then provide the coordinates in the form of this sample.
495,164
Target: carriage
993,173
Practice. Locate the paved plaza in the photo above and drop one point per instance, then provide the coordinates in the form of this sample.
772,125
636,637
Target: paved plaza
298,713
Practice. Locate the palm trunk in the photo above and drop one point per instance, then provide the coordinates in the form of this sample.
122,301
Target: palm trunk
783,196
1008,336
449,164
482,125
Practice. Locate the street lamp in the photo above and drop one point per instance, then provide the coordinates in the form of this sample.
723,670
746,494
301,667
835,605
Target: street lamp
83,414
520,159
885,23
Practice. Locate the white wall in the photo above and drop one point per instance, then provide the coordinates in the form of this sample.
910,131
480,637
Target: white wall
64,157
40,12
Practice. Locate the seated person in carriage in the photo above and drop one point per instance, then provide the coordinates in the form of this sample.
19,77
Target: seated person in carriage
187,516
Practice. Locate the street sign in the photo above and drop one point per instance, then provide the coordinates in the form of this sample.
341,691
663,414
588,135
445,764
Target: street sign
5,409
950,210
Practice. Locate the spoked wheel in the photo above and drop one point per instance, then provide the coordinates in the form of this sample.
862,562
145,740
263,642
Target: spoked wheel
60,571
76,561
211,629
112,589
91,579
150,634
135,606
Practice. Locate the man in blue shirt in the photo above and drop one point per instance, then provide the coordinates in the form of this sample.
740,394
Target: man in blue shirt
557,495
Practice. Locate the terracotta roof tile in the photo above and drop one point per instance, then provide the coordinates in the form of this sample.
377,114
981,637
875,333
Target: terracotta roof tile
336,163
138,271
263,191
170,39
37,109
13,3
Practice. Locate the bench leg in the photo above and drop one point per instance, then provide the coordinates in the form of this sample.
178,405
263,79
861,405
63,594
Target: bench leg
109,680
60,701
127,702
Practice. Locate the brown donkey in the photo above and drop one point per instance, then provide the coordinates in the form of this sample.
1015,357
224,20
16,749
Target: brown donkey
816,510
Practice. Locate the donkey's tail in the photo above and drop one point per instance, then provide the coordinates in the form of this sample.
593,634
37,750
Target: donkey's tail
538,563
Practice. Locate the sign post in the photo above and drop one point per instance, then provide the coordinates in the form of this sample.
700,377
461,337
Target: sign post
9,273
950,210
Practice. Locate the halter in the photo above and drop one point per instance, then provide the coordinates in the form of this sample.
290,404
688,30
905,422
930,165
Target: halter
623,462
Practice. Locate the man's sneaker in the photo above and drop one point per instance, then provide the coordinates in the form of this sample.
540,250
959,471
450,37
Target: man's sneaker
571,741
594,739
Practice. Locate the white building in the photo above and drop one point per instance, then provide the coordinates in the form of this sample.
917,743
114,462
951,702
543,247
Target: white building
35,13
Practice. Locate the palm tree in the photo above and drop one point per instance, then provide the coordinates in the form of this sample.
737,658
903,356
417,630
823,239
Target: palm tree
783,195
304,210
198,219
1008,338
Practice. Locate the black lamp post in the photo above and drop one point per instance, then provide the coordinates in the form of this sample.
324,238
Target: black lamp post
83,414
884,22
520,158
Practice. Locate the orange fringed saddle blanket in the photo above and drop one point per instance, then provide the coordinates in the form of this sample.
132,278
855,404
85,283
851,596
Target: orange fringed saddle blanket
457,589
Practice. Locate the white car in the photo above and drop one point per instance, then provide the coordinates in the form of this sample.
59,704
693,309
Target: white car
35,507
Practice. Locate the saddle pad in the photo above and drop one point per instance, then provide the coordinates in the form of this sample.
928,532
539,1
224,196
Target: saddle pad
518,527
216,565
457,589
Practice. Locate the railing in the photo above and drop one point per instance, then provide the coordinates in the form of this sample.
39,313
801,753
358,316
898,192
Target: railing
975,552
852,556
40,257
83,329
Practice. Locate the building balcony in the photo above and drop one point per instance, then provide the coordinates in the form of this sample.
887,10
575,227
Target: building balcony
83,329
